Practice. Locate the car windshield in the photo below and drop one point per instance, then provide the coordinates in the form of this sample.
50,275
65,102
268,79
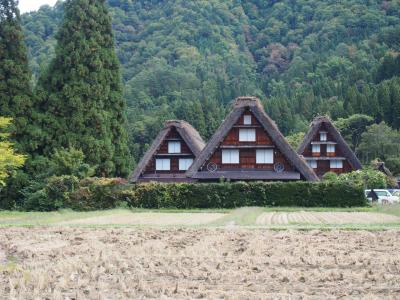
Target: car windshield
382,193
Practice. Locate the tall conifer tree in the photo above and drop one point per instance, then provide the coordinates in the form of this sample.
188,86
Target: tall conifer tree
83,105
16,98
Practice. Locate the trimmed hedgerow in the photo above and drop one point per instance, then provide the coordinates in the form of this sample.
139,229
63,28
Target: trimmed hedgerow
230,195
102,193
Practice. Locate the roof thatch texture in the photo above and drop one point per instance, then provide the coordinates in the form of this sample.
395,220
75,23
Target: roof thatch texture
240,106
188,133
341,143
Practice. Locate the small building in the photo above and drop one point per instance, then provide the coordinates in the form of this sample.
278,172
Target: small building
325,150
171,154
248,146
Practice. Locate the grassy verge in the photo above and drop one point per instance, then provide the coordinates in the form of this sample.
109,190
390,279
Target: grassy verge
14,218
245,216
320,209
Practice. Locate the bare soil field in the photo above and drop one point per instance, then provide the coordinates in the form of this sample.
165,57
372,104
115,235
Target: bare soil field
310,217
128,263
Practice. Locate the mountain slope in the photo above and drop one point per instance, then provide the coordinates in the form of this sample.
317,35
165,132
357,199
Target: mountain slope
189,59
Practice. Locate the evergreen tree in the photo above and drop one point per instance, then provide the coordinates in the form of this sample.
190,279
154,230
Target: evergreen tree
383,95
15,92
396,104
82,104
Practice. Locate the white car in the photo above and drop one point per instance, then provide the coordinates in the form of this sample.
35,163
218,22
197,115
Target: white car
384,197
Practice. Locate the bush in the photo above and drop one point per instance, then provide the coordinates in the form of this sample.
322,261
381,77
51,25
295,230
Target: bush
231,195
102,193
95,193
51,195
367,178
393,163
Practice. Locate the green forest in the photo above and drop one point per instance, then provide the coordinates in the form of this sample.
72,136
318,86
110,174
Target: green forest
90,83
190,59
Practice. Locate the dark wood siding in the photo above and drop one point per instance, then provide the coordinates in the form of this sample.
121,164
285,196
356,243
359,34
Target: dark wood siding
323,166
247,156
162,152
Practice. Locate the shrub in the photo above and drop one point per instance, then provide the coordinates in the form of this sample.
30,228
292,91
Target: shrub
103,193
94,194
230,195
51,195
367,178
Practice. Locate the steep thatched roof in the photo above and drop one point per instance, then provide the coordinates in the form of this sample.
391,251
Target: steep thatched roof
188,133
341,143
255,106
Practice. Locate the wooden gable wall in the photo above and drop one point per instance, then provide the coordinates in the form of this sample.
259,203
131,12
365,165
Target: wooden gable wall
173,135
323,166
248,155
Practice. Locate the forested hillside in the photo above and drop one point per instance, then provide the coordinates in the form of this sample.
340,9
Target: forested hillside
189,59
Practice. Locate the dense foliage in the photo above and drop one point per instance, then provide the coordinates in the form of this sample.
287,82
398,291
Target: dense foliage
101,193
74,123
191,58
230,195
81,93
16,99
188,60
9,159
367,178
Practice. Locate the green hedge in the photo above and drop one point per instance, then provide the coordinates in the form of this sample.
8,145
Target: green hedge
230,195
101,193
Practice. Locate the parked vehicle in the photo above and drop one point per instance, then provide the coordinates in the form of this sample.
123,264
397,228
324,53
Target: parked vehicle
384,196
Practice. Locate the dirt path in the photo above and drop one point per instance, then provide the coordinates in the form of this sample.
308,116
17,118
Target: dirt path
307,217
200,263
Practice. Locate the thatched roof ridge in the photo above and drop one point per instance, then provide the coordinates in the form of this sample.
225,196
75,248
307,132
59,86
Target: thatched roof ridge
188,133
255,106
248,101
315,126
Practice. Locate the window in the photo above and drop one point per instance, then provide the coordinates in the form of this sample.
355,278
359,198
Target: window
264,156
330,148
163,164
323,136
312,163
383,193
316,148
174,147
247,119
247,135
185,163
336,164
230,156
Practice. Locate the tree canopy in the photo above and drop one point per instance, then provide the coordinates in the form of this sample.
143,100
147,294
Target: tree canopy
16,98
9,159
191,58
81,91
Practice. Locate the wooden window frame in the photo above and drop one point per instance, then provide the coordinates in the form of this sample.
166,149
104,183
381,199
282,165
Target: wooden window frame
336,167
172,147
247,120
163,161
230,151
186,166
262,160
244,135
